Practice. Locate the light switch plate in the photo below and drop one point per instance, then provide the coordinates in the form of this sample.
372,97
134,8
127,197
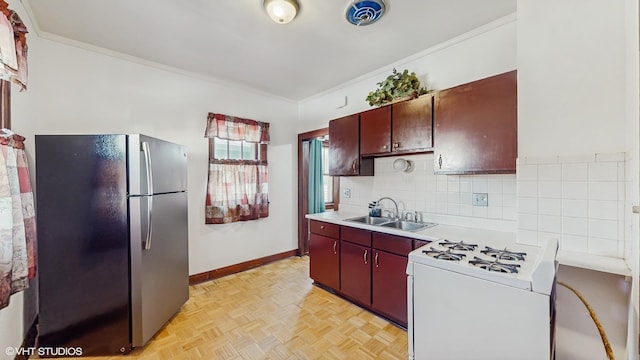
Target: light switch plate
480,199
346,193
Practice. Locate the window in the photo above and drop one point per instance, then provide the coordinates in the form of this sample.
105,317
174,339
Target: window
222,149
237,186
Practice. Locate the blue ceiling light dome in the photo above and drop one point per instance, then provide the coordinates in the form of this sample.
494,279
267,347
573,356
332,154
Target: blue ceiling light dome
365,12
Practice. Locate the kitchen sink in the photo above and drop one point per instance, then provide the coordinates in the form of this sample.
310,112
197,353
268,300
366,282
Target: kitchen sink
396,224
407,225
370,220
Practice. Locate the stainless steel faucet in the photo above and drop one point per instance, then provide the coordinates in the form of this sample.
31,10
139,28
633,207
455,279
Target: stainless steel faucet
397,214
412,215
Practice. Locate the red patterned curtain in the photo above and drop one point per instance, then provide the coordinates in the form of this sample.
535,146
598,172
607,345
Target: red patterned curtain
13,47
237,190
17,212
17,219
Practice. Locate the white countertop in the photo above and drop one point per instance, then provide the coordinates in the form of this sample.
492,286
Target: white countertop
594,262
439,231
451,232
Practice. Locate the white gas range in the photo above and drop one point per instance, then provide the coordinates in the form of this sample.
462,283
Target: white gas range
481,296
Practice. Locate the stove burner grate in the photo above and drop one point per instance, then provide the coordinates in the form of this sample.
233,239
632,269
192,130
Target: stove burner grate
444,254
503,254
462,246
494,265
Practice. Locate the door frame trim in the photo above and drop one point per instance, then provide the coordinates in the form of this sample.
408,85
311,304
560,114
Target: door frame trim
303,189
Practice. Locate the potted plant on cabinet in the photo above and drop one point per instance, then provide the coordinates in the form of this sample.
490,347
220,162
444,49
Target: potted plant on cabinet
396,87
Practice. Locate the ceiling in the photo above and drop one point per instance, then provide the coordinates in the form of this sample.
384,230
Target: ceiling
235,41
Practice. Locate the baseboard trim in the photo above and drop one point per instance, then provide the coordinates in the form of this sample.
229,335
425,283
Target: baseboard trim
232,269
29,341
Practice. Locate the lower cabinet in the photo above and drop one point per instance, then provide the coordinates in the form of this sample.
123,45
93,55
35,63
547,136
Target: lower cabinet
324,260
366,267
355,272
389,284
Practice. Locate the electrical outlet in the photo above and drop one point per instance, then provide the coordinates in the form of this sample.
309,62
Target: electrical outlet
346,193
480,199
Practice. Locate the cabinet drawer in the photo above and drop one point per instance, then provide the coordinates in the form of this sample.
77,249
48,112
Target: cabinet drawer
392,243
323,228
419,243
356,236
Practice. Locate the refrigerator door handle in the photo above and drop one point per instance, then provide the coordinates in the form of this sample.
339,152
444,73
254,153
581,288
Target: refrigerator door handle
147,163
147,244
147,160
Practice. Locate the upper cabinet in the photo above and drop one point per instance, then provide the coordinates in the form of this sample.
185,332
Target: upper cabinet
403,127
412,125
344,148
475,127
375,131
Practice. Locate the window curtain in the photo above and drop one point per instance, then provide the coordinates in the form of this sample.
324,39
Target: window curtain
13,47
237,190
17,219
234,128
316,186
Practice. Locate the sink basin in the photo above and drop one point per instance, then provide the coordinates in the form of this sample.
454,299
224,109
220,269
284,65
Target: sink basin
370,220
407,225
396,224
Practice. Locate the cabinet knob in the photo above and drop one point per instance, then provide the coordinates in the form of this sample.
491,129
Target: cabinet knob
385,147
440,161
376,259
321,226
354,166
364,257
335,247
396,145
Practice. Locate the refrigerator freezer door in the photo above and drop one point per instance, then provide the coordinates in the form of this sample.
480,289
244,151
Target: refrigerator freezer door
168,166
160,274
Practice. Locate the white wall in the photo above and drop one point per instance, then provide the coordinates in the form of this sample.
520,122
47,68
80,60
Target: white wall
574,100
571,77
11,325
72,90
632,115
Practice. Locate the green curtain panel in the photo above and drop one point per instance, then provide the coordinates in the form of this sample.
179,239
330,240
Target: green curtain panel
316,187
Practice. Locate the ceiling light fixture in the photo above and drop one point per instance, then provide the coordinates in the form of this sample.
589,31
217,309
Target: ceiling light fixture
281,11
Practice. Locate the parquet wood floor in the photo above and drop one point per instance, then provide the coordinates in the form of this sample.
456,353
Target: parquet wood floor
272,312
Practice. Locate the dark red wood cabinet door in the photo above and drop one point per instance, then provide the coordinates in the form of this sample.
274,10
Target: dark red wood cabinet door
475,126
324,260
412,125
375,131
390,285
344,146
355,272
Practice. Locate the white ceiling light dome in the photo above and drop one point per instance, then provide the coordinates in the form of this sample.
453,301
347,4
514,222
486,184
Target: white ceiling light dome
365,12
281,11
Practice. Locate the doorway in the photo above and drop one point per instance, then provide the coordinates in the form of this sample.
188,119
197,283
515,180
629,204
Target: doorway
332,185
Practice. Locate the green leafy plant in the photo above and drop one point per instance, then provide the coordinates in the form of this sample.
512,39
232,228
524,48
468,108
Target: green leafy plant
396,86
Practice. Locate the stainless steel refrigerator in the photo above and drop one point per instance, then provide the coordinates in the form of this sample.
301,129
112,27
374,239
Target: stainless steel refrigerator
112,239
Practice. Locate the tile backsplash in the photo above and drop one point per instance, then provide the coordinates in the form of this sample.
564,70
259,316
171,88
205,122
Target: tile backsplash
577,199
421,190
